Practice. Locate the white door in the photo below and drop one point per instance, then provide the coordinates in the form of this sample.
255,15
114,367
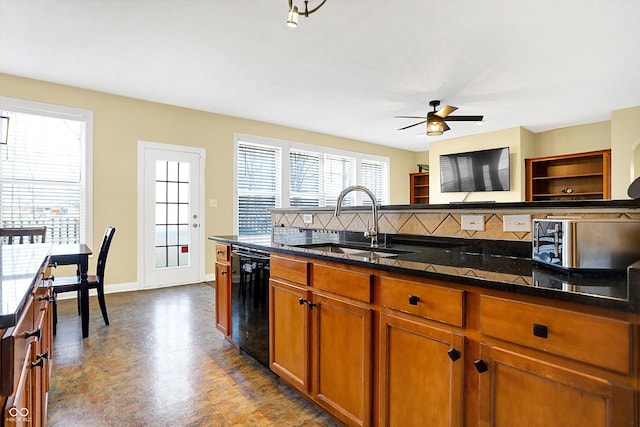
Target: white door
171,219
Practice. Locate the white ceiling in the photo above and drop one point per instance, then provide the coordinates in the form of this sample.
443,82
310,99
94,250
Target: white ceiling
348,69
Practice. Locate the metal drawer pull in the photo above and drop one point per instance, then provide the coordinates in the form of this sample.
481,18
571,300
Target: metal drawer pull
40,363
540,331
37,333
413,299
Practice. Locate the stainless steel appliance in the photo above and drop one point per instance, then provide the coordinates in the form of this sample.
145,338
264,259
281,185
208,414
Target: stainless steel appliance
577,243
250,301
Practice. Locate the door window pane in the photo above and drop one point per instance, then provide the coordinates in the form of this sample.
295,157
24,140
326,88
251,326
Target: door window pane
172,214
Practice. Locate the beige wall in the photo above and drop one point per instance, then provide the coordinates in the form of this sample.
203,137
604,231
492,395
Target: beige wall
574,139
625,137
120,122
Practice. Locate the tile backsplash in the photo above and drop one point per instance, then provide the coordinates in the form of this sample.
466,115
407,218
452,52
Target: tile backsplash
428,222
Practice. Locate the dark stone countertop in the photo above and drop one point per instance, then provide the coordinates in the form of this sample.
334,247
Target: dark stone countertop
500,265
19,268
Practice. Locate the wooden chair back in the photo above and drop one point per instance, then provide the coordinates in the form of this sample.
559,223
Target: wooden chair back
23,235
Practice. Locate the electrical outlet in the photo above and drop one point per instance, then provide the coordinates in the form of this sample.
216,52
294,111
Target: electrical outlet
472,222
516,223
307,218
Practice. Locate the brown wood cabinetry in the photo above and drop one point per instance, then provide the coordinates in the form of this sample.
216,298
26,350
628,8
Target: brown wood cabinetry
420,377
321,340
520,390
584,393
419,188
375,348
223,289
289,333
26,353
577,176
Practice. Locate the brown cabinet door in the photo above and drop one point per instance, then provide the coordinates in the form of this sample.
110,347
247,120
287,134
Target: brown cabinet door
223,298
19,410
343,339
421,374
517,390
289,333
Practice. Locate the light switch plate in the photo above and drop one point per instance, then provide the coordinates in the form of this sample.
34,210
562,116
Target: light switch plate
307,218
515,223
472,222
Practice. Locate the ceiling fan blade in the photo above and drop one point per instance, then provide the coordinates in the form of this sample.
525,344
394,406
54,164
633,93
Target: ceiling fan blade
445,111
410,117
465,118
446,128
415,124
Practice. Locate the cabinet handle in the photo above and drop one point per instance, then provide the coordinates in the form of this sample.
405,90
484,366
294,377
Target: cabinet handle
311,304
219,252
44,355
302,301
48,298
453,354
223,272
52,278
413,299
35,333
481,366
54,265
39,362
540,331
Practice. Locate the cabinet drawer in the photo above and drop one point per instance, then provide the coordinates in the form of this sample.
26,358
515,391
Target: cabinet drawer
342,282
15,345
429,301
222,252
289,269
583,337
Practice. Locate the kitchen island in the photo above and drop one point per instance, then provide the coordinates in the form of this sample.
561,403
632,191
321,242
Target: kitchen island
26,347
456,331
445,325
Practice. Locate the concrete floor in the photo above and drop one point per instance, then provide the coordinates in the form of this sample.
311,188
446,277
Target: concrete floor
161,362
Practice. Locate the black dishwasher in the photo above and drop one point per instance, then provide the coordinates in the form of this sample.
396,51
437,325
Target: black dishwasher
250,301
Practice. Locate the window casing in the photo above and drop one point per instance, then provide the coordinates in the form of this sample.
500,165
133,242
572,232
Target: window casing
45,170
275,174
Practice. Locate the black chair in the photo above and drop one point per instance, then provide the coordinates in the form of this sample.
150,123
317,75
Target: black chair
21,235
72,283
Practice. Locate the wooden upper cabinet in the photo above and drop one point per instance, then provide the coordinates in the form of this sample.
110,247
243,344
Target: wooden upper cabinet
579,176
419,188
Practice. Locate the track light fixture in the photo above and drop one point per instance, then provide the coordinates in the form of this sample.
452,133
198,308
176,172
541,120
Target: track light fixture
292,19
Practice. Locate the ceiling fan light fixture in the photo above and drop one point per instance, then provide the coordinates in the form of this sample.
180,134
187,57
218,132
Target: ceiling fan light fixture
292,19
435,126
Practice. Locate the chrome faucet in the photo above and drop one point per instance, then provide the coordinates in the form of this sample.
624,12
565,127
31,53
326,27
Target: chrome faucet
373,231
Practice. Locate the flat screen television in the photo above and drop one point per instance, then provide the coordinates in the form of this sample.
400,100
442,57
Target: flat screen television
484,170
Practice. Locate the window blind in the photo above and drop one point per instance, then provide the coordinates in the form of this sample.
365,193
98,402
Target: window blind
258,180
374,177
339,173
313,178
305,179
41,175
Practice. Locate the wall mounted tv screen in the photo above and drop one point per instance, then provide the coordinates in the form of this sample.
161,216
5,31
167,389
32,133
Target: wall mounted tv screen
484,170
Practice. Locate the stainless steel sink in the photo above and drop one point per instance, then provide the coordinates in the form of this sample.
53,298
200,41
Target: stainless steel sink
356,251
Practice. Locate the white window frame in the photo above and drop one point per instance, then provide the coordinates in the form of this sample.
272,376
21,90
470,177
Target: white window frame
86,172
285,147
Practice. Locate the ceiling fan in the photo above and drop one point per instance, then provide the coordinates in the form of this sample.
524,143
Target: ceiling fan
435,120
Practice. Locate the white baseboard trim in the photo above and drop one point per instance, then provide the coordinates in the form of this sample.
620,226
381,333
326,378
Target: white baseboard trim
124,287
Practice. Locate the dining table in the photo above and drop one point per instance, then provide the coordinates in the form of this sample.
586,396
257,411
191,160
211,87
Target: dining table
76,254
